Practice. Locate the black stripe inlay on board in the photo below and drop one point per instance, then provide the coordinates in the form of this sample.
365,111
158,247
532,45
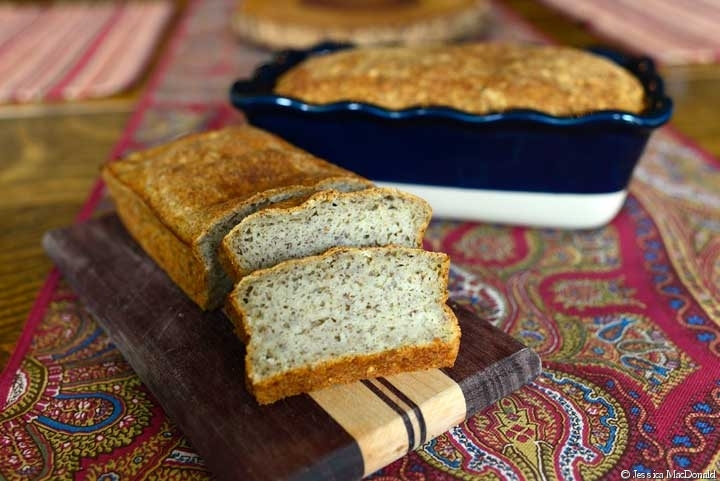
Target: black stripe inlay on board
411,404
386,399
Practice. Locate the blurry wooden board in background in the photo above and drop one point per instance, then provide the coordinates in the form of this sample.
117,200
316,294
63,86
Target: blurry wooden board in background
283,24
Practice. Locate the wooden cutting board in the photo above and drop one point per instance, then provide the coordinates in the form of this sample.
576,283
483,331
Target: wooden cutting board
284,24
193,364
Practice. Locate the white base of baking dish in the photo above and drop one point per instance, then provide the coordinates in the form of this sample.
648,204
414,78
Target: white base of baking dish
563,211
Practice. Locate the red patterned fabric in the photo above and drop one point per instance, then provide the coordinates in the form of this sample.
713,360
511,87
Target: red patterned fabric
626,319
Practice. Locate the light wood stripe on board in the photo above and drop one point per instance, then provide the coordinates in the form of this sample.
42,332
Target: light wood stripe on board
406,410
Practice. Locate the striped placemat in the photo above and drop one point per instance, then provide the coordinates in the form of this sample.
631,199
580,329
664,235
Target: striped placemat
75,50
673,32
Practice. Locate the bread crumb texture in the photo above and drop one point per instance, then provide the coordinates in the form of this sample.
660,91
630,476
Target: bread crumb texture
366,218
473,77
348,314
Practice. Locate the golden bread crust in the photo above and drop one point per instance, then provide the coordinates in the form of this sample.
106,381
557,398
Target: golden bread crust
192,181
473,77
174,198
160,243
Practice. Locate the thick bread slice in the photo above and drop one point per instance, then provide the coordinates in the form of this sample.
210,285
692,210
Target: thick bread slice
348,314
179,200
366,218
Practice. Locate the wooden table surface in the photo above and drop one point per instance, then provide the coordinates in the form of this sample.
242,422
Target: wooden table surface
50,158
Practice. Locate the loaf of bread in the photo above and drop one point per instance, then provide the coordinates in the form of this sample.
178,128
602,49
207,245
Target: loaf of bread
365,218
345,315
180,199
472,77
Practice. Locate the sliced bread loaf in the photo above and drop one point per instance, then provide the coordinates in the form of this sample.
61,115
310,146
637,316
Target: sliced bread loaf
366,218
178,200
348,314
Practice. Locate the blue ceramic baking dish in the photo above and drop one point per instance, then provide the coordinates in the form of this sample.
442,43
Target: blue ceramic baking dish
519,166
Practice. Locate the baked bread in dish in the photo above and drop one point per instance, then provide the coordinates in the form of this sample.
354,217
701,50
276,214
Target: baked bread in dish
477,78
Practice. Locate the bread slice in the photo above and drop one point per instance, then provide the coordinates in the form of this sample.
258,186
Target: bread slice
366,218
348,314
179,200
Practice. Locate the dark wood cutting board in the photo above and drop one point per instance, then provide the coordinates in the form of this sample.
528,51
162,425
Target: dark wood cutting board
193,363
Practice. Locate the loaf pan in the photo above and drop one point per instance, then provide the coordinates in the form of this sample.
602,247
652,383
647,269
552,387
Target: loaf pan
518,166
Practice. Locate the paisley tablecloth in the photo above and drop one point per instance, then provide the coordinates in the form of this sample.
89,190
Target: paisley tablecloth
626,319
